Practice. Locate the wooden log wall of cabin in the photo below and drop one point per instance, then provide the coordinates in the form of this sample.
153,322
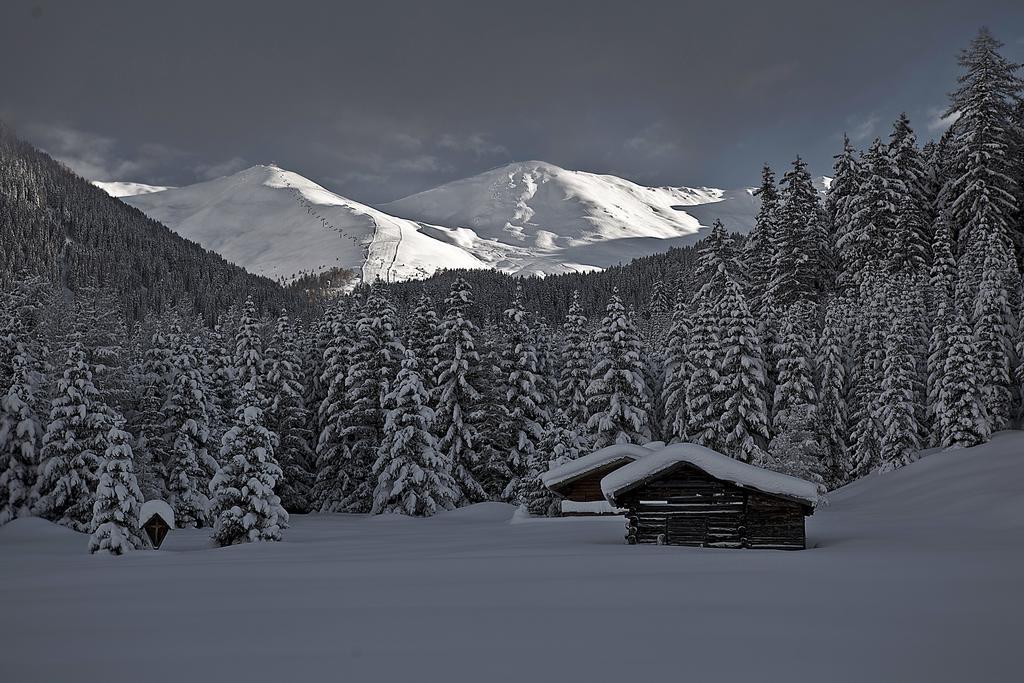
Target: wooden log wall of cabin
686,506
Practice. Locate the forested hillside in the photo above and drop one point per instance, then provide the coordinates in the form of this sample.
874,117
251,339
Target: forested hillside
63,228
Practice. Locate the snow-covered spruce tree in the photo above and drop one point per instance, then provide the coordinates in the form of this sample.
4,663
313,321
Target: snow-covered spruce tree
522,411
75,437
678,369
794,369
20,433
832,414
618,397
413,478
911,238
373,364
577,358
941,282
424,337
186,423
249,371
547,367
243,504
869,238
981,193
704,348
741,378
494,443
796,450
799,268
115,513
962,417
866,378
458,372
993,328
288,418
221,378
153,450
332,483
759,248
900,430
840,207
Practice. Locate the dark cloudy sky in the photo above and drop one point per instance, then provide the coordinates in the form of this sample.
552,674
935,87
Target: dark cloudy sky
380,99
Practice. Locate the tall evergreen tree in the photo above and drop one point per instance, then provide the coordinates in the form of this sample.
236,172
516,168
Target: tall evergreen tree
963,420
187,425
759,249
618,397
458,372
741,378
333,483
678,369
373,364
898,416
981,191
20,434
993,329
832,414
115,513
413,478
799,269
288,418
523,408
243,504
75,438
576,362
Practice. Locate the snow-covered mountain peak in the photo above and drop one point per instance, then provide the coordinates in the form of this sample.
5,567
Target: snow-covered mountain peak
277,223
528,217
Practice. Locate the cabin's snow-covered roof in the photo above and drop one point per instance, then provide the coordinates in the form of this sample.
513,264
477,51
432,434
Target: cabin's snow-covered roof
715,464
156,507
599,458
593,507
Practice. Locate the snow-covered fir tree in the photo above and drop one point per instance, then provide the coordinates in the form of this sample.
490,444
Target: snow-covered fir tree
458,371
832,414
799,267
413,477
373,364
243,504
248,357
759,249
941,284
794,369
424,338
332,482
897,401
523,408
288,418
678,369
576,362
618,397
75,438
963,420
115,513
741,377
993,328
187,426
981,193
20,431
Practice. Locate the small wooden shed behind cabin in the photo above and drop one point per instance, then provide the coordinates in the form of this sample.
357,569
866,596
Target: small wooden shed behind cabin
689,495
578,482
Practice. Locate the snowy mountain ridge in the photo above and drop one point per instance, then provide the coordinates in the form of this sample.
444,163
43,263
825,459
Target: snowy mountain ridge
529,218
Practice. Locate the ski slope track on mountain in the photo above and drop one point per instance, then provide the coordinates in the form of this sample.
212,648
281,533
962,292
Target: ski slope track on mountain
279,224
909,576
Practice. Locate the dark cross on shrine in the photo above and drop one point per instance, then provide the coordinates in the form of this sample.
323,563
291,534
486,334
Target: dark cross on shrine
156,528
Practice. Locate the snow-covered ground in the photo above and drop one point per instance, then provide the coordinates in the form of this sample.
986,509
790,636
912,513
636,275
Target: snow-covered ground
912,576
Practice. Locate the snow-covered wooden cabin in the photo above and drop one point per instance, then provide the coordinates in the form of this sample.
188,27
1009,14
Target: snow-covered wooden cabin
578,482
686,494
